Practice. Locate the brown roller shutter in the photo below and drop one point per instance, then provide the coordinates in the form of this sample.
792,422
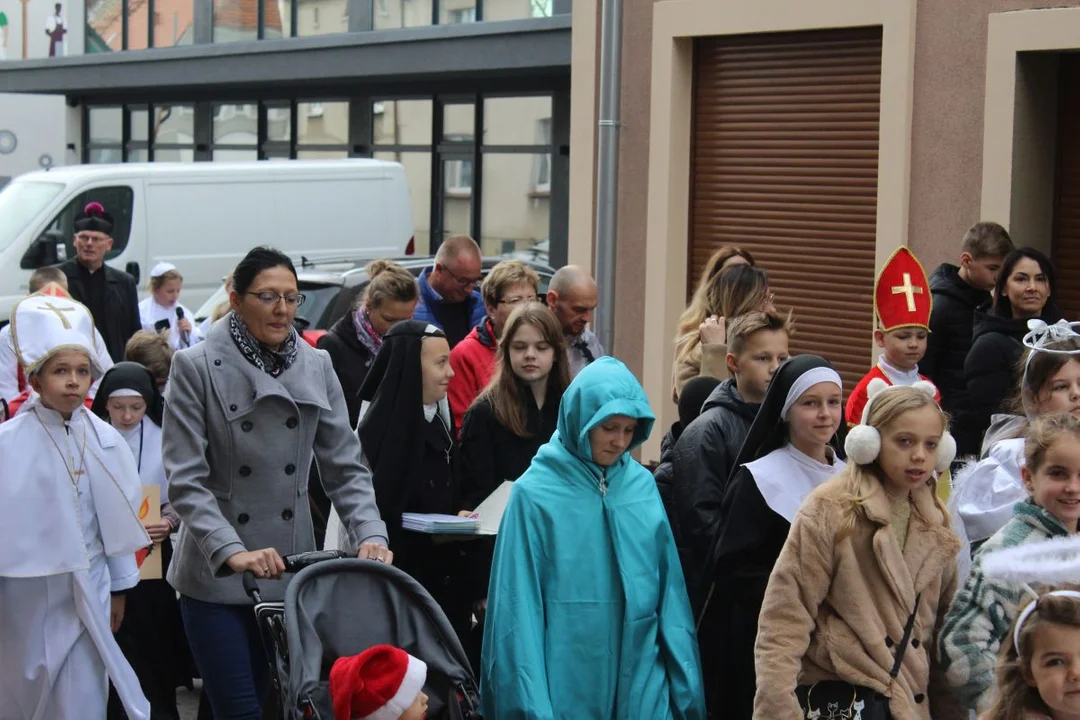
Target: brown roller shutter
785,164
1065,249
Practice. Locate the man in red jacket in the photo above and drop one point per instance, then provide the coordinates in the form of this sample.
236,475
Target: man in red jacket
509,285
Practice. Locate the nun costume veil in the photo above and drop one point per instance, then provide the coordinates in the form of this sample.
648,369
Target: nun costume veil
768,483
769,431
129,376
391,429
409,449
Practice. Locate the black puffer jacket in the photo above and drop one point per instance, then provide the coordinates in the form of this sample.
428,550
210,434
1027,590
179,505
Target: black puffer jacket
952,325
991,366
351,361
702,460
665,479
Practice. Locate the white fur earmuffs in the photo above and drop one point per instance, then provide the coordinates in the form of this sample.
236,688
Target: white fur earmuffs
863,442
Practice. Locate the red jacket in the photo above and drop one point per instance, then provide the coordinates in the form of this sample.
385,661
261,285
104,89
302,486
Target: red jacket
473,363
857,400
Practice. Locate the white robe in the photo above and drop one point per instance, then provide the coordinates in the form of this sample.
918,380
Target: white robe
9,365
144,440
150,313
63,549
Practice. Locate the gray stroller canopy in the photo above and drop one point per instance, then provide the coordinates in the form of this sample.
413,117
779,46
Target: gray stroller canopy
343,607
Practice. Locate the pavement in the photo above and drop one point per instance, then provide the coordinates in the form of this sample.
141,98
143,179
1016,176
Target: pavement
188,701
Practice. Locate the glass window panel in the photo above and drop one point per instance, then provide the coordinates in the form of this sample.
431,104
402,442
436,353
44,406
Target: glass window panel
302,154
173,124
105,155
402,122
459,122
104,27
140,122
235,20
457,197
138,155
278,124
515,214
185,155
322,123
106,125
517,9
233,155
321,17
388,14
284,10
515,120
138,25
276,22
418,172
458,12
236,124
173,22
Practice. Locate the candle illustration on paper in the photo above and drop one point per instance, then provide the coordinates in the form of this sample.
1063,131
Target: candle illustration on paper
150,512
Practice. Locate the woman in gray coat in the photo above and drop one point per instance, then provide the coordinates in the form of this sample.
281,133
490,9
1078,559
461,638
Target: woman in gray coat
246,411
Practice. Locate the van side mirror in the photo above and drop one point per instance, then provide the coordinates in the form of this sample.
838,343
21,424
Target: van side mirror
49,249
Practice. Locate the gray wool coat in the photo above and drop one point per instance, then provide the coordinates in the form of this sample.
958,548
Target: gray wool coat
237,445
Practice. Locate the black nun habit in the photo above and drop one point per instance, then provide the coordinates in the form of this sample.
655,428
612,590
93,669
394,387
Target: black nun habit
770,480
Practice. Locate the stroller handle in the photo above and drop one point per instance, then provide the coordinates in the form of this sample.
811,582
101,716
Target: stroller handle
293,564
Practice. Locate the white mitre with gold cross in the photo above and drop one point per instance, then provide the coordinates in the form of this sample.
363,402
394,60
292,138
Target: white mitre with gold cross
42,325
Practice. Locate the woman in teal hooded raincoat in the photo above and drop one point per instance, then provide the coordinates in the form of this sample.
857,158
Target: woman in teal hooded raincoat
588,615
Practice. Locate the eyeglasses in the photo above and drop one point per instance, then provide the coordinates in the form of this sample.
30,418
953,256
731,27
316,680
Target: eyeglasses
269,298
463,282
95,239
527,299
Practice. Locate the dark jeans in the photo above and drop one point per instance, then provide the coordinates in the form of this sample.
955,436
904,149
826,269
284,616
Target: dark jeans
228,651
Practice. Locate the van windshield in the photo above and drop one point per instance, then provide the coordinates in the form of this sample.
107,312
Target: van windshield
20,205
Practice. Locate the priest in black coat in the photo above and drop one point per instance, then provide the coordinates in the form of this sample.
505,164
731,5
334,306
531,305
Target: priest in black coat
110,294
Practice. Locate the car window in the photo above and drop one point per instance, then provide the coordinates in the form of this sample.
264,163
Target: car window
117,201
320,298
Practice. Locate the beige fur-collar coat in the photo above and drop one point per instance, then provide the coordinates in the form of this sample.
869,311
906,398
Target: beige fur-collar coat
835,610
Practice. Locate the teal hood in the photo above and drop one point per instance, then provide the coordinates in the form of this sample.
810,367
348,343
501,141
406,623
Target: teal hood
604,388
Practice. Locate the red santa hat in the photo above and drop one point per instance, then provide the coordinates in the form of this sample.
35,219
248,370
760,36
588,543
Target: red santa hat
902,292
380,683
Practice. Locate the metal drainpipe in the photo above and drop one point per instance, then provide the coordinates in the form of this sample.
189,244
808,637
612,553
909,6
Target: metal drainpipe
607,168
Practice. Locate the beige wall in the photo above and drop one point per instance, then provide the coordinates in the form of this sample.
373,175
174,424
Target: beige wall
948,126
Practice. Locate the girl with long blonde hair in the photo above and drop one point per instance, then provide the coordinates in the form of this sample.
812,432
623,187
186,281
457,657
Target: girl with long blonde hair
701,342
853,604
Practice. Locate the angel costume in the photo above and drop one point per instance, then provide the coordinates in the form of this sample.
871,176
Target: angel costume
68,536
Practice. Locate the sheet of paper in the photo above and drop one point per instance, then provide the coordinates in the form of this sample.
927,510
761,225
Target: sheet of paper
150,512
435,523
490,512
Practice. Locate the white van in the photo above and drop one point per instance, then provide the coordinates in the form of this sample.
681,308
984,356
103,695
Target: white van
204,217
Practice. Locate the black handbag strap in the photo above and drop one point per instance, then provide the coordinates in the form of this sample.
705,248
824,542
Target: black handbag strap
901,650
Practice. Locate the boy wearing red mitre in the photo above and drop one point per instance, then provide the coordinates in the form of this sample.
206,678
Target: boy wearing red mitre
902,305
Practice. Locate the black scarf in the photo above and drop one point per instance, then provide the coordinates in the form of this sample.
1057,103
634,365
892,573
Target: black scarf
271,362
392,431
128,376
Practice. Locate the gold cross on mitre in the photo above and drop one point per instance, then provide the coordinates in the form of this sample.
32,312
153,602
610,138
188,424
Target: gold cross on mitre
908,289
59,313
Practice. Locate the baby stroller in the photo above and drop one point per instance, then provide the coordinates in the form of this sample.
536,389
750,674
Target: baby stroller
337,606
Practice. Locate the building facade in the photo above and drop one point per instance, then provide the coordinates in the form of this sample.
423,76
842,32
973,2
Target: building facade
471,96
821,136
